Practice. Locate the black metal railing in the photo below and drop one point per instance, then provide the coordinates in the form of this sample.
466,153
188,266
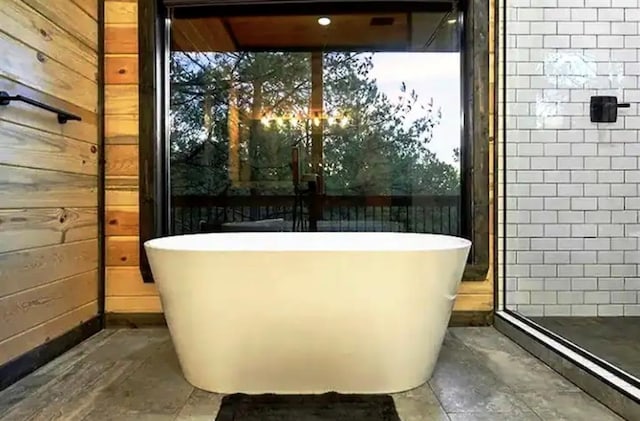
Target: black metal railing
431,214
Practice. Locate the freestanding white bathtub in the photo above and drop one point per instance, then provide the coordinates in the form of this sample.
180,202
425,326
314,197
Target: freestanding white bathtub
307,312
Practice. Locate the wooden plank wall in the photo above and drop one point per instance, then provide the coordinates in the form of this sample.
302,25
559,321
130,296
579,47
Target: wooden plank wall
125,290
48,172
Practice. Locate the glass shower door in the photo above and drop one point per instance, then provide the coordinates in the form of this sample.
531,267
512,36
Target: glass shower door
571,174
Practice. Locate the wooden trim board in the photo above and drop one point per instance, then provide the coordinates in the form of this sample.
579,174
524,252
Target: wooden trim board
140,320
14,370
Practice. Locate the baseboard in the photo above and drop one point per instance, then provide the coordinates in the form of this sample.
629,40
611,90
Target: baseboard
471,318
134,320
14,370
141,320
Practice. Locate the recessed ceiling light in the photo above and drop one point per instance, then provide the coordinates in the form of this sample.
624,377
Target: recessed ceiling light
324,21
452,21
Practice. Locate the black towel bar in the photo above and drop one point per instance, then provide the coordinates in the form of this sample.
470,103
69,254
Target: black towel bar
63,116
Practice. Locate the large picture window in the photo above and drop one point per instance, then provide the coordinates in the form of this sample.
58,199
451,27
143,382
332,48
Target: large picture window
284,120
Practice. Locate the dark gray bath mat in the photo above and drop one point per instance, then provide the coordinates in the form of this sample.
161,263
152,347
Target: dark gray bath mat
322,407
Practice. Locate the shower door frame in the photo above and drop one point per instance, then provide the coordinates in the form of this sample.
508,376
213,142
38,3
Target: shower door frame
550,347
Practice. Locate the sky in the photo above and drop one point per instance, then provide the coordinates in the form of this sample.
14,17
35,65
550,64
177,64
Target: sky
434,75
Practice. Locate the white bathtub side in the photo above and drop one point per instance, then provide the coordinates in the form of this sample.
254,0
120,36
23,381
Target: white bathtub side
307,322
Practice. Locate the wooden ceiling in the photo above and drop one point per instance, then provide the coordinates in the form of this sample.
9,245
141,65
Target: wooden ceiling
389,31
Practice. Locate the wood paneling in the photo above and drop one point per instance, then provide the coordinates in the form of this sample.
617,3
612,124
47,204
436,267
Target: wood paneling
121,163
142,304
123,251
89,6
19,21
19,312
46,74
206,34
127,282
474,302
37,335
476,287
121,197
48,172
121,69
30,188
121,129
121,39
66,14
121,99
121,160
125,182
28,115
121,12
30,268
27,147
121,220
27,228
304,31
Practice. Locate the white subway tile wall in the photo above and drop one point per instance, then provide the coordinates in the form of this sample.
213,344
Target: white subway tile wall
572,211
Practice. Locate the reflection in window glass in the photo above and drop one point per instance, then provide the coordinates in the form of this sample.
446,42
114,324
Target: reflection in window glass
343,140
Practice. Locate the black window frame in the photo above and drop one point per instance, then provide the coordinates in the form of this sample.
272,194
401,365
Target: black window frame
153,33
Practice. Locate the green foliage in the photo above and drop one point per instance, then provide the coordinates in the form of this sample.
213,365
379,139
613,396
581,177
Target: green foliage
380,151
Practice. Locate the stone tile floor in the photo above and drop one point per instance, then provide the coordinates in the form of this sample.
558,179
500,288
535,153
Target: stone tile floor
134,375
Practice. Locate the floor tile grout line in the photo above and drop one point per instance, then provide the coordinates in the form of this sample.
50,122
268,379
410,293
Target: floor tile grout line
43,371
177,414
519,394
438,399
509,388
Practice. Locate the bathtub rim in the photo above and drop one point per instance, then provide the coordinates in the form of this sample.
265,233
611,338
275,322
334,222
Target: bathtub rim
295,242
